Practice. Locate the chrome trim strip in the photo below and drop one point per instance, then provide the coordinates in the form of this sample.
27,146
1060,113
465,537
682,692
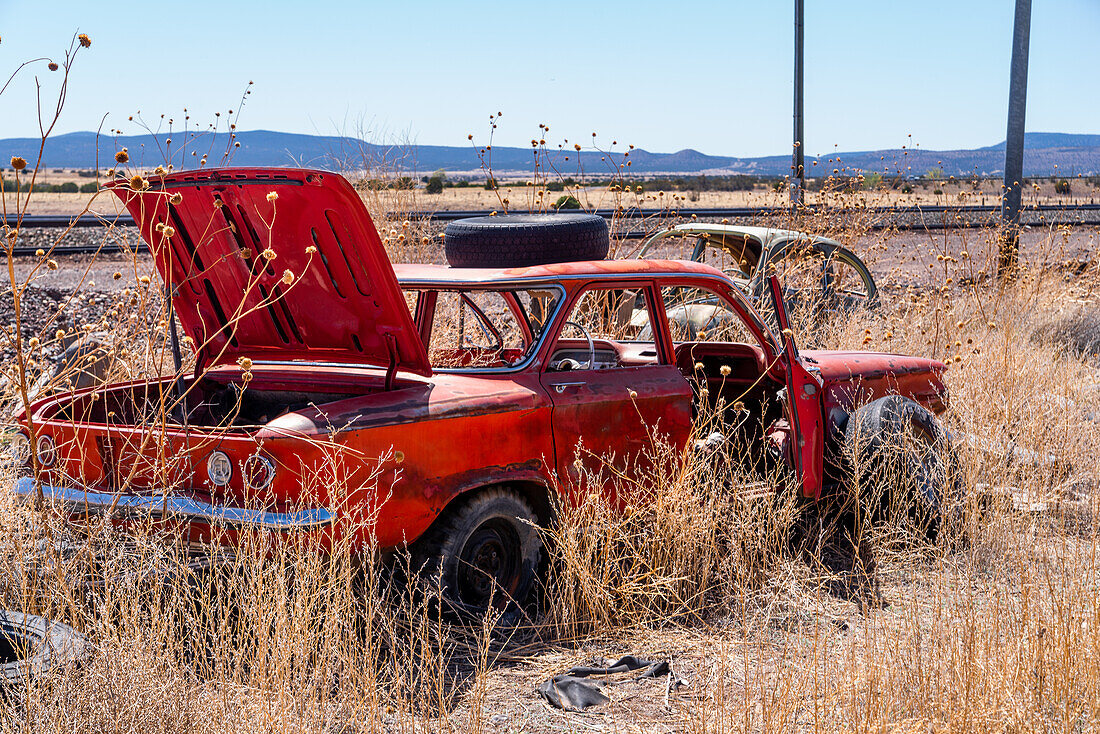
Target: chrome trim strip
174,506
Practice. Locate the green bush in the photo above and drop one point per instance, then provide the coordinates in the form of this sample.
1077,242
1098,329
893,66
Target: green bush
1061,186
567,202
555,186
872,180
906,189
435,183
89,188
69,187
490,184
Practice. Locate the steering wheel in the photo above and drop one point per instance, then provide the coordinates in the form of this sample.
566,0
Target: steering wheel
591,346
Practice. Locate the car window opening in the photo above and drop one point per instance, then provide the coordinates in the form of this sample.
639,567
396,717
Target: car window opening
480,329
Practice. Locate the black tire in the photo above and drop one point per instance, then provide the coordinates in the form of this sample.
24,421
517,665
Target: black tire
485,551
31,646
903,462
520,240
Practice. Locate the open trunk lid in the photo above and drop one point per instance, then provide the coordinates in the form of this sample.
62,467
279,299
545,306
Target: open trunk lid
339,302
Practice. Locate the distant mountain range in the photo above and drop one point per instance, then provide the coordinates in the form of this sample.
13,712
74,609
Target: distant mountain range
1044,154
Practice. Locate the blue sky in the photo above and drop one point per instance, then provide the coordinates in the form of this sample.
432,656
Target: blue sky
660,75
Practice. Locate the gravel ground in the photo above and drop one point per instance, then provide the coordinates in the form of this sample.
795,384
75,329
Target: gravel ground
83,294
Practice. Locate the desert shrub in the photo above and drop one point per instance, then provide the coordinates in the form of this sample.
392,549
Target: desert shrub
89,188
686,545
1062,186
69,187
567,201
436,182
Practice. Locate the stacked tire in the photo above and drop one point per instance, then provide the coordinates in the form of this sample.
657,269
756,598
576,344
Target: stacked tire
522,240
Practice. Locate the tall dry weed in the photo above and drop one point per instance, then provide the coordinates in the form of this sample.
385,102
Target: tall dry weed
998,632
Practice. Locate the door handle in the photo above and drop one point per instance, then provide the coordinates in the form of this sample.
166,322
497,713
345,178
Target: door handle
560,387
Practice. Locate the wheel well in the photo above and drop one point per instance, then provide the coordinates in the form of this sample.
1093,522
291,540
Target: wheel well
535,493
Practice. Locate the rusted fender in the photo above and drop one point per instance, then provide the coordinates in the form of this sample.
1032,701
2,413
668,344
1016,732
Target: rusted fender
852,379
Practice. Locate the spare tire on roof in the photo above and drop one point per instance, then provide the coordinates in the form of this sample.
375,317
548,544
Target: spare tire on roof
518,240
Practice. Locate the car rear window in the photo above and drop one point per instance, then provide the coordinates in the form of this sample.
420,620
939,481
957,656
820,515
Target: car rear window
478,329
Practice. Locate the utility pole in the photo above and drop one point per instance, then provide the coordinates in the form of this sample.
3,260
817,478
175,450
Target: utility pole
798,167
1009,256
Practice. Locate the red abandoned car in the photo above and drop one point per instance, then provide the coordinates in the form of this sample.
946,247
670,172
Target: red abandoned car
444,404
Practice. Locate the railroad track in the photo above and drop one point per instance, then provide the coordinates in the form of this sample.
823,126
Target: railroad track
931,217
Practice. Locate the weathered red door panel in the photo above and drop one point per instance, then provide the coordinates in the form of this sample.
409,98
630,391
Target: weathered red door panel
803,405
615,416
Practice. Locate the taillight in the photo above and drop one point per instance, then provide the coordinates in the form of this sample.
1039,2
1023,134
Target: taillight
259,472
46,450
19,449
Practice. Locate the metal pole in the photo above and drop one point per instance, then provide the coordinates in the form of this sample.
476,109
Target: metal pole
1014,144
798,168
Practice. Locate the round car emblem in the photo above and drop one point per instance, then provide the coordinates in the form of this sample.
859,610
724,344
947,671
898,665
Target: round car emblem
219,468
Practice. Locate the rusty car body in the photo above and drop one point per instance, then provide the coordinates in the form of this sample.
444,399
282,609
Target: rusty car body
330,386
812,267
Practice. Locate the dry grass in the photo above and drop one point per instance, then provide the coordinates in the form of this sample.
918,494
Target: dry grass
779,618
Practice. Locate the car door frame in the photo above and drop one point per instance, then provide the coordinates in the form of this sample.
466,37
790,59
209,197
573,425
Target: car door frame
663,383
803,401
803,405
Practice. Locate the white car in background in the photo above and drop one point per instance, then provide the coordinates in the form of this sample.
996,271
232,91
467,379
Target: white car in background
816,272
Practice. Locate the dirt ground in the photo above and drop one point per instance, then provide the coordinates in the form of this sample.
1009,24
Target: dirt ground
896,257
722,673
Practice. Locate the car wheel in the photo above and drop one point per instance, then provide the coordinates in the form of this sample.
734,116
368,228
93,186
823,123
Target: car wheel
485,551
520,240
31,645
903,463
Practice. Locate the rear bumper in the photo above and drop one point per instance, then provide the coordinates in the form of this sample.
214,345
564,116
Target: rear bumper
175,507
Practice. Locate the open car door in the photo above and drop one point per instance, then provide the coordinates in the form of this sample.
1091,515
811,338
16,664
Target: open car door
803,404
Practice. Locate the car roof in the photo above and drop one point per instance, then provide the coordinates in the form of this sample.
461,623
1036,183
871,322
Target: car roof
408,273
763,235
